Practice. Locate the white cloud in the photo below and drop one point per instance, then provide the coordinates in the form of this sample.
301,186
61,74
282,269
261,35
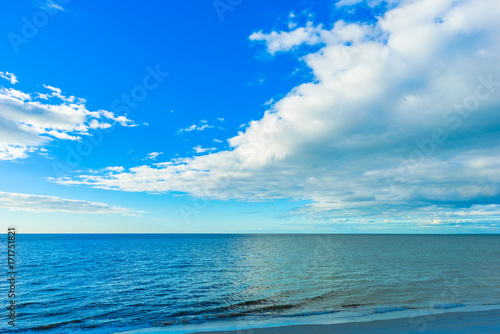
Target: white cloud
95,124
122,120
9,76
62,135
17,94
200,127
57,92
37,203
31,120
153,155
401,120
269,102
49,5
284,41
115,169
13,152
199,149
53,5
370,3
312,35
343,3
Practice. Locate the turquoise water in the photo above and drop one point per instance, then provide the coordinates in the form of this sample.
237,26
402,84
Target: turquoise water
112,283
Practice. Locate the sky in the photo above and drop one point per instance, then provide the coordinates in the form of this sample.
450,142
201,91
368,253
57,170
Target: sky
237,116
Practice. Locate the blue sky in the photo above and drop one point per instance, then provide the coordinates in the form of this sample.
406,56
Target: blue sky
250,116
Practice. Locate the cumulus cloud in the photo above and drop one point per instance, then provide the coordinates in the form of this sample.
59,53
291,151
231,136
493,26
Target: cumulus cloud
36,203
31,120
400,121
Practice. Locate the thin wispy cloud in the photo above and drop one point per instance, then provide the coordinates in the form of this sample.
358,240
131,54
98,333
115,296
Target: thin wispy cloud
199,149
344,3
196,127
49,5
57,92
202,125
258,80
269,102
37,203
152,155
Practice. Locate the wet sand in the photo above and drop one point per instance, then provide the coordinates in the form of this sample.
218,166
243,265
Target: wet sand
487,322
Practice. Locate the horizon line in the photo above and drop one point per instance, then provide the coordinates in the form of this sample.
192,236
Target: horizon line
237,233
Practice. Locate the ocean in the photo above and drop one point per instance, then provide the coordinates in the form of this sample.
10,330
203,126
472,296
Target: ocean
175,283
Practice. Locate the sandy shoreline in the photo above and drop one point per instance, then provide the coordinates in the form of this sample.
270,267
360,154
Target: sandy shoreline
487,322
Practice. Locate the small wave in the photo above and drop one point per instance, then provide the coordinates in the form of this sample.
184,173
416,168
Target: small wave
179,322
448,306
305,314
195,317
248,303
54,325
390,309
353,305
264,309
224,308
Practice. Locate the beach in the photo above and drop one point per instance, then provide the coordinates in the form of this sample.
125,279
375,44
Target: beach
487,322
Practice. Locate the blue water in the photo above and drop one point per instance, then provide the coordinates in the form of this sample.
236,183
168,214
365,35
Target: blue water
112,283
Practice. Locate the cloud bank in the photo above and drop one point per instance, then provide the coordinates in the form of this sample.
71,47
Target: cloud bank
401,121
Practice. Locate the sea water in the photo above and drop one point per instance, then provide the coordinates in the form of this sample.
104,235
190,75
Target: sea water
180,282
